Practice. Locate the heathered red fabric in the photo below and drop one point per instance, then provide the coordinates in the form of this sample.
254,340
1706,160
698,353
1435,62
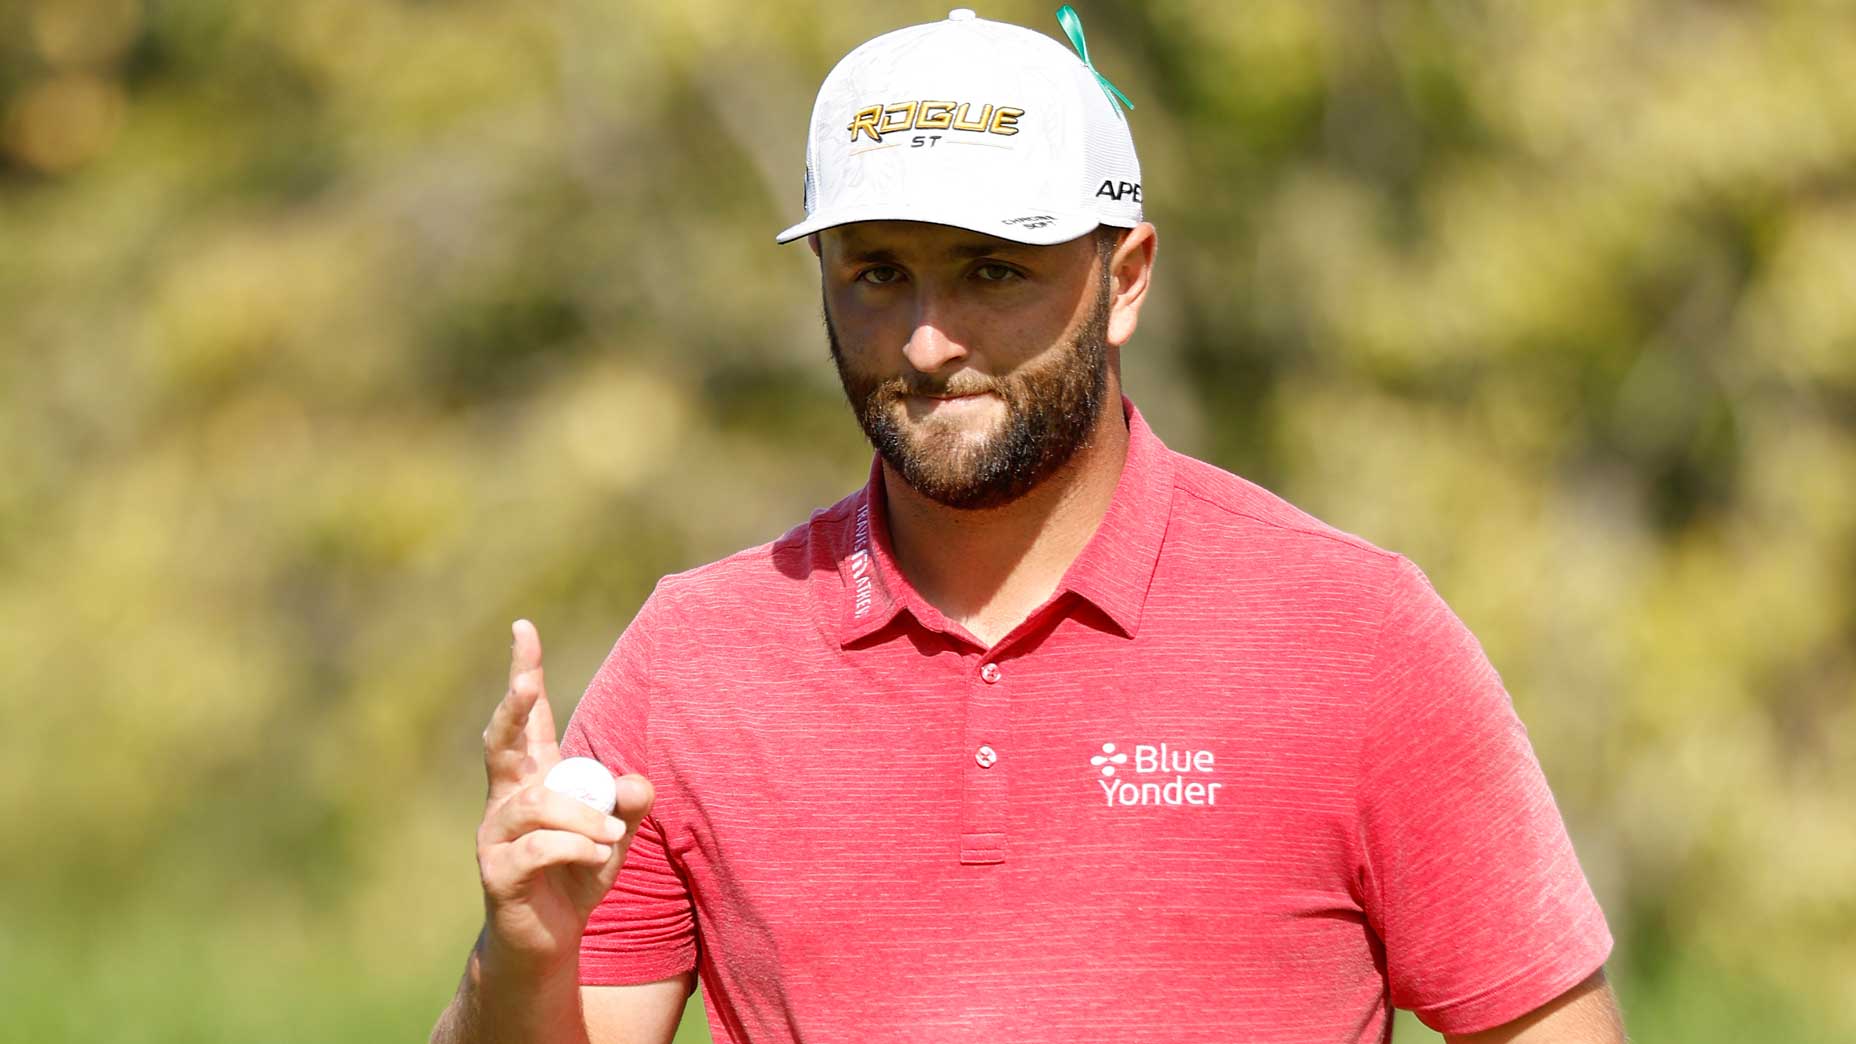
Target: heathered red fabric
1345,815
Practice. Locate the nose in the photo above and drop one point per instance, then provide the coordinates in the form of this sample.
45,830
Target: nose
932,346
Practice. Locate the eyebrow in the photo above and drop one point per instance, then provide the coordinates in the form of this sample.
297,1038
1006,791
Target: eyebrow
958,252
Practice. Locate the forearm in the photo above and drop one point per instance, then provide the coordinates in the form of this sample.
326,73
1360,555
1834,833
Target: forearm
496,1005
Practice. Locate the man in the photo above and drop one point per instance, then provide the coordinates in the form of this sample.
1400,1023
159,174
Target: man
1048,733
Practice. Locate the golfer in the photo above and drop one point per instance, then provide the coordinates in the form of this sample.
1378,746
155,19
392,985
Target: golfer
1047,733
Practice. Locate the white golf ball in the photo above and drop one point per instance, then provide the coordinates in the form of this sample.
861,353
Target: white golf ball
585,780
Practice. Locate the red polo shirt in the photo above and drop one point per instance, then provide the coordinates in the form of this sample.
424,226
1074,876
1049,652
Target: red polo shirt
1243,778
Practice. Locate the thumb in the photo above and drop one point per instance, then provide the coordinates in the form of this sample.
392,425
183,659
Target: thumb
636,795
635,799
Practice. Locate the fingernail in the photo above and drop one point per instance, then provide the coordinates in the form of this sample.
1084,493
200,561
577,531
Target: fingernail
605,851
616,826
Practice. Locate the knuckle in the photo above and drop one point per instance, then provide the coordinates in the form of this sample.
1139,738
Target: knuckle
535,848
501,887
517,805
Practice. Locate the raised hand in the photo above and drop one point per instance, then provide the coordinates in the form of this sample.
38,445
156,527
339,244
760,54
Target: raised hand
545,859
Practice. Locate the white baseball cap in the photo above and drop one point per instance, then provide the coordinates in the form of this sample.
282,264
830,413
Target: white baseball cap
972,123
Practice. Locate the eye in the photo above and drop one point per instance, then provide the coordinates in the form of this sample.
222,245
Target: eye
995,272
880,275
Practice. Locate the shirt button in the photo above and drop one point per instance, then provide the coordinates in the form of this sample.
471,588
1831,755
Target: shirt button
985,756
990,673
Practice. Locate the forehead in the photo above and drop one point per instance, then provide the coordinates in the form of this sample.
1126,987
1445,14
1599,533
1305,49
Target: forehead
924,241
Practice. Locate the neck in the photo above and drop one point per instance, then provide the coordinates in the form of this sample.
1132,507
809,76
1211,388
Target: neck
988,569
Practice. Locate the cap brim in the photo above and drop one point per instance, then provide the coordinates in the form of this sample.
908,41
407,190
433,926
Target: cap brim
1033,228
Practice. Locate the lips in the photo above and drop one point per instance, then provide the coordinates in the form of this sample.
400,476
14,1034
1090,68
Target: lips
956,408
941,393
935,399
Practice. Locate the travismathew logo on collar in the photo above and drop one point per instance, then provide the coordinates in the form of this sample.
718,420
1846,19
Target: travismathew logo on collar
1161,776
861,566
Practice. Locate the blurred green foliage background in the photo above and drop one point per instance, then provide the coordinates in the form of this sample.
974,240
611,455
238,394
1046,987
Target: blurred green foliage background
334,334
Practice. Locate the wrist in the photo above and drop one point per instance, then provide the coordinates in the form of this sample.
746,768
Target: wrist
510,998
496,968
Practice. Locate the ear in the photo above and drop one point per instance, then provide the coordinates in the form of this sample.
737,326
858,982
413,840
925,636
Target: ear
1130,268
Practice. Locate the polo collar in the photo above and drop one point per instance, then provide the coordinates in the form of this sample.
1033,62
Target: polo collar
1112,573
1116,567
873,588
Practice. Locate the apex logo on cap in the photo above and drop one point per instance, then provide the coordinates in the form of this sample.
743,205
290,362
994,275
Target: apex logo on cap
895,117
1115,190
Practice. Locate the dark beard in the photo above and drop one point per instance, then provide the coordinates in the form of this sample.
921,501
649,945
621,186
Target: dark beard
1051,413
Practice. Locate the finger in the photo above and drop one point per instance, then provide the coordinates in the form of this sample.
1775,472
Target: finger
538,735
635,798
509,865
591,887
524,649
504,750
524,660
505,739
538,808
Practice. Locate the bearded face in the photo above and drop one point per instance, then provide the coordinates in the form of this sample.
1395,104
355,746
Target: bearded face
1050,409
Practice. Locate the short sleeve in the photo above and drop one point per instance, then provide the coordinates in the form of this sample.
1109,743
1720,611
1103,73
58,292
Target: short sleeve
1470,878
645,928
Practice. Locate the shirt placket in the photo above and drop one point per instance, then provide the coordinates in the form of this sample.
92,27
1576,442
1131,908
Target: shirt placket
988,759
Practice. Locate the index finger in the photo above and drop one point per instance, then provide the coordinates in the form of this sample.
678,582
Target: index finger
541,740
524,649
506,740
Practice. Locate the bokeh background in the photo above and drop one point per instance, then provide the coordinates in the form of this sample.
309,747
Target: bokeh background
335,334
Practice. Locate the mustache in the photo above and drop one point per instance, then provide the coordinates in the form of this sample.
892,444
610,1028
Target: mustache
916,383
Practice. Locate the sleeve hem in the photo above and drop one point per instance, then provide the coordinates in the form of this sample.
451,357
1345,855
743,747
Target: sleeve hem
1521,993
634,969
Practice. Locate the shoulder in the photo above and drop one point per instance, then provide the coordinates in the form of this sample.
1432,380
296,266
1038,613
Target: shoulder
1216,511
767,581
